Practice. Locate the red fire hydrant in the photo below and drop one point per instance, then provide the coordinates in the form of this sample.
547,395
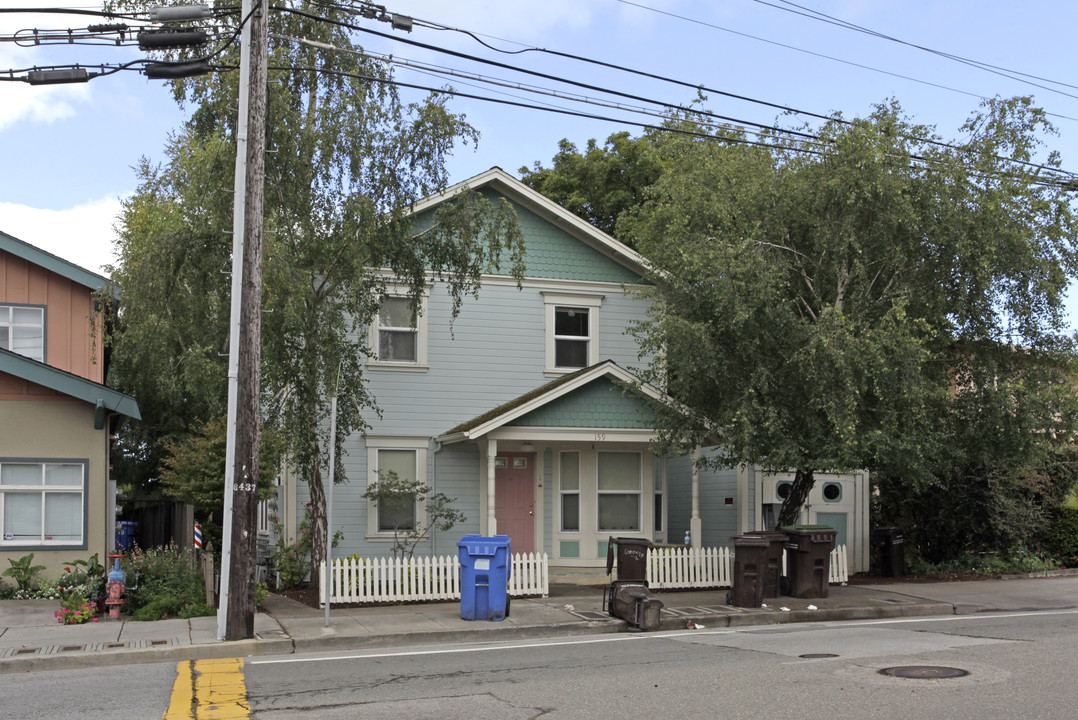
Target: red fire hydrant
115,589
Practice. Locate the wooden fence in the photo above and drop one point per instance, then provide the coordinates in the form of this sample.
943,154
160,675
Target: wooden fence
689,567
366,580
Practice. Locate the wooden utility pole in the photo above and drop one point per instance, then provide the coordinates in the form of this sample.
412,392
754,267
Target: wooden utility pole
235,618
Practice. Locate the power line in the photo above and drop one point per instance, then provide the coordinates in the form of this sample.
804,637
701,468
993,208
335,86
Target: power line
996,69
819,55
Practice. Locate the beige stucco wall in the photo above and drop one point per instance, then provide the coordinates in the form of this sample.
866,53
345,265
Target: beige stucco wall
50,430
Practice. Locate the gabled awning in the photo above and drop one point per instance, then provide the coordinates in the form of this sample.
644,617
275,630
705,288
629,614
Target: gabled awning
630,402
104,399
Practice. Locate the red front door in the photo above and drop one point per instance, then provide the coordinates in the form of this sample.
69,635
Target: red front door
514,499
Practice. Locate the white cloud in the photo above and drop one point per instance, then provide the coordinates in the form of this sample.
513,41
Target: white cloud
82,235
19,101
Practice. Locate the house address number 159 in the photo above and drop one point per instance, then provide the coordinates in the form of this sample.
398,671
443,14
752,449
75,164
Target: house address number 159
600,437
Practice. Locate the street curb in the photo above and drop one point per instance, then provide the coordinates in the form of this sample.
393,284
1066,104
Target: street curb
291,646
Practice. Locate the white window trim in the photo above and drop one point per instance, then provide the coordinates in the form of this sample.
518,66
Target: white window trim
80,490
562,493
374,444
554,300
421,322
7,314
639,492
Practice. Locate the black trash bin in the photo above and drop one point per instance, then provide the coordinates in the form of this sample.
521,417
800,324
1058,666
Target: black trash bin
890,551
773,577
808,559
750,571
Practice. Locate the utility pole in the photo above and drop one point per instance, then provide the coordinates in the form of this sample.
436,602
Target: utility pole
235,617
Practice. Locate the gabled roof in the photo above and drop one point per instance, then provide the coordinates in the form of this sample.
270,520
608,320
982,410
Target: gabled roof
103,398
528,402
504,183
53,263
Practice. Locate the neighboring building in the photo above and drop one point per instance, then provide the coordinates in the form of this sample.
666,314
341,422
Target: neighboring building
56,415
525,408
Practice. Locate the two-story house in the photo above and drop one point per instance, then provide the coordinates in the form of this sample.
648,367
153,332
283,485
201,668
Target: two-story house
526,410
56,414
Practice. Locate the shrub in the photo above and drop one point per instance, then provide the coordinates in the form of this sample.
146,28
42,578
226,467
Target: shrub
23,572
1061,534
166,576
292,556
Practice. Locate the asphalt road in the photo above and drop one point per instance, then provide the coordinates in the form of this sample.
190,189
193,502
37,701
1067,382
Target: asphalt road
1020,665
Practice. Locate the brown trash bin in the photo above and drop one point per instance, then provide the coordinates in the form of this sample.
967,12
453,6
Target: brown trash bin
808,559
750,571
632,558
773,577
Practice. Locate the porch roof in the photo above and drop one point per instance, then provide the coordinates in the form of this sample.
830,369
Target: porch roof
546,395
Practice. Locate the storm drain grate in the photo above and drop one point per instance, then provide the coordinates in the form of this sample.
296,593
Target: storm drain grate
115,645
159,642
591,615
924,672
26,651
817,656
72,648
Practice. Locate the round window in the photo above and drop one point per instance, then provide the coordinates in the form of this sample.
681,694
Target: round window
832,491
782,490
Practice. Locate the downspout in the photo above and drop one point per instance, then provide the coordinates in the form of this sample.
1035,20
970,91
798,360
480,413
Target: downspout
696,526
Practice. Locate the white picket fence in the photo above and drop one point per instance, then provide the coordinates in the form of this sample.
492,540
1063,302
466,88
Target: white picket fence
670,568
361,580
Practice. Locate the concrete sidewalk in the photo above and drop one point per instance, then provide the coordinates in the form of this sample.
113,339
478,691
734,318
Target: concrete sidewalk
31,638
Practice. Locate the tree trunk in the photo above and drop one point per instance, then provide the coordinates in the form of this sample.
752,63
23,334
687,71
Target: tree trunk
791,506
318,517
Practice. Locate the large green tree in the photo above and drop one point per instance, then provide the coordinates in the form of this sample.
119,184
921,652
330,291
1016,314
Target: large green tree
872,299
347,160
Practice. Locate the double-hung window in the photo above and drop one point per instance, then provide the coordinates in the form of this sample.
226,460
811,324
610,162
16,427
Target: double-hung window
22,330
572,331
569,491
399,334
403,459
41,503
619,491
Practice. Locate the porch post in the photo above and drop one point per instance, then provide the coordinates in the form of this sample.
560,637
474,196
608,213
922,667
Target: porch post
696,526
492,452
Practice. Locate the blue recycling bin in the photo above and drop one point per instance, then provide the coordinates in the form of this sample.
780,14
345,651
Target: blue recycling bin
484,577
125,535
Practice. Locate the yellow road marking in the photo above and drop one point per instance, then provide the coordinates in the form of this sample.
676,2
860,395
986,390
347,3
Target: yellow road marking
209,690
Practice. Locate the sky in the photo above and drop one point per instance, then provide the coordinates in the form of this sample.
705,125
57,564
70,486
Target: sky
69,152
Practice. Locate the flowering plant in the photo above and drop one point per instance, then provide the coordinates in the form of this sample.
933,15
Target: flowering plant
74,610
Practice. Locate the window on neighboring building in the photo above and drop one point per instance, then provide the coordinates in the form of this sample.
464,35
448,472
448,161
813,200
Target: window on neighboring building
658,519
569,489
22,330
572,326
619,491
399,334
41,503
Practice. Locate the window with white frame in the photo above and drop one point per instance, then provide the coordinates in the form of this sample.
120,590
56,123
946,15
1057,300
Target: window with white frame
406,460
399,333
569,491
572,331
22,330
41,502
619,491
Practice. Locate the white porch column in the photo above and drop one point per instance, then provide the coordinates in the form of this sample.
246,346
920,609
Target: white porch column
696,526
492,521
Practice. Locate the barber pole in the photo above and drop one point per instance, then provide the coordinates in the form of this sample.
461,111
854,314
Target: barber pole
198,536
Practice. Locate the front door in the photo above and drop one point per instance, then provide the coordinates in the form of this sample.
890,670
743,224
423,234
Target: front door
514,499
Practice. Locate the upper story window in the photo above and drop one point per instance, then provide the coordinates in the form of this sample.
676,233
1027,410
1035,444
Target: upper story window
22,330
399,334
572,331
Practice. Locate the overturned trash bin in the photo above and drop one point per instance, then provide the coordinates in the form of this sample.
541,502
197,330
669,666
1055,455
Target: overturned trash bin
484,577
808,559
750,571
628,597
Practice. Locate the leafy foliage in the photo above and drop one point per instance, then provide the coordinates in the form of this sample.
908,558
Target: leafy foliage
164,580
292,556
347,162
23,572
394,494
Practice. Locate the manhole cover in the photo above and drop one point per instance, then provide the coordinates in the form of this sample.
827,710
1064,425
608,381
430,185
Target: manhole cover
817,656
924,672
